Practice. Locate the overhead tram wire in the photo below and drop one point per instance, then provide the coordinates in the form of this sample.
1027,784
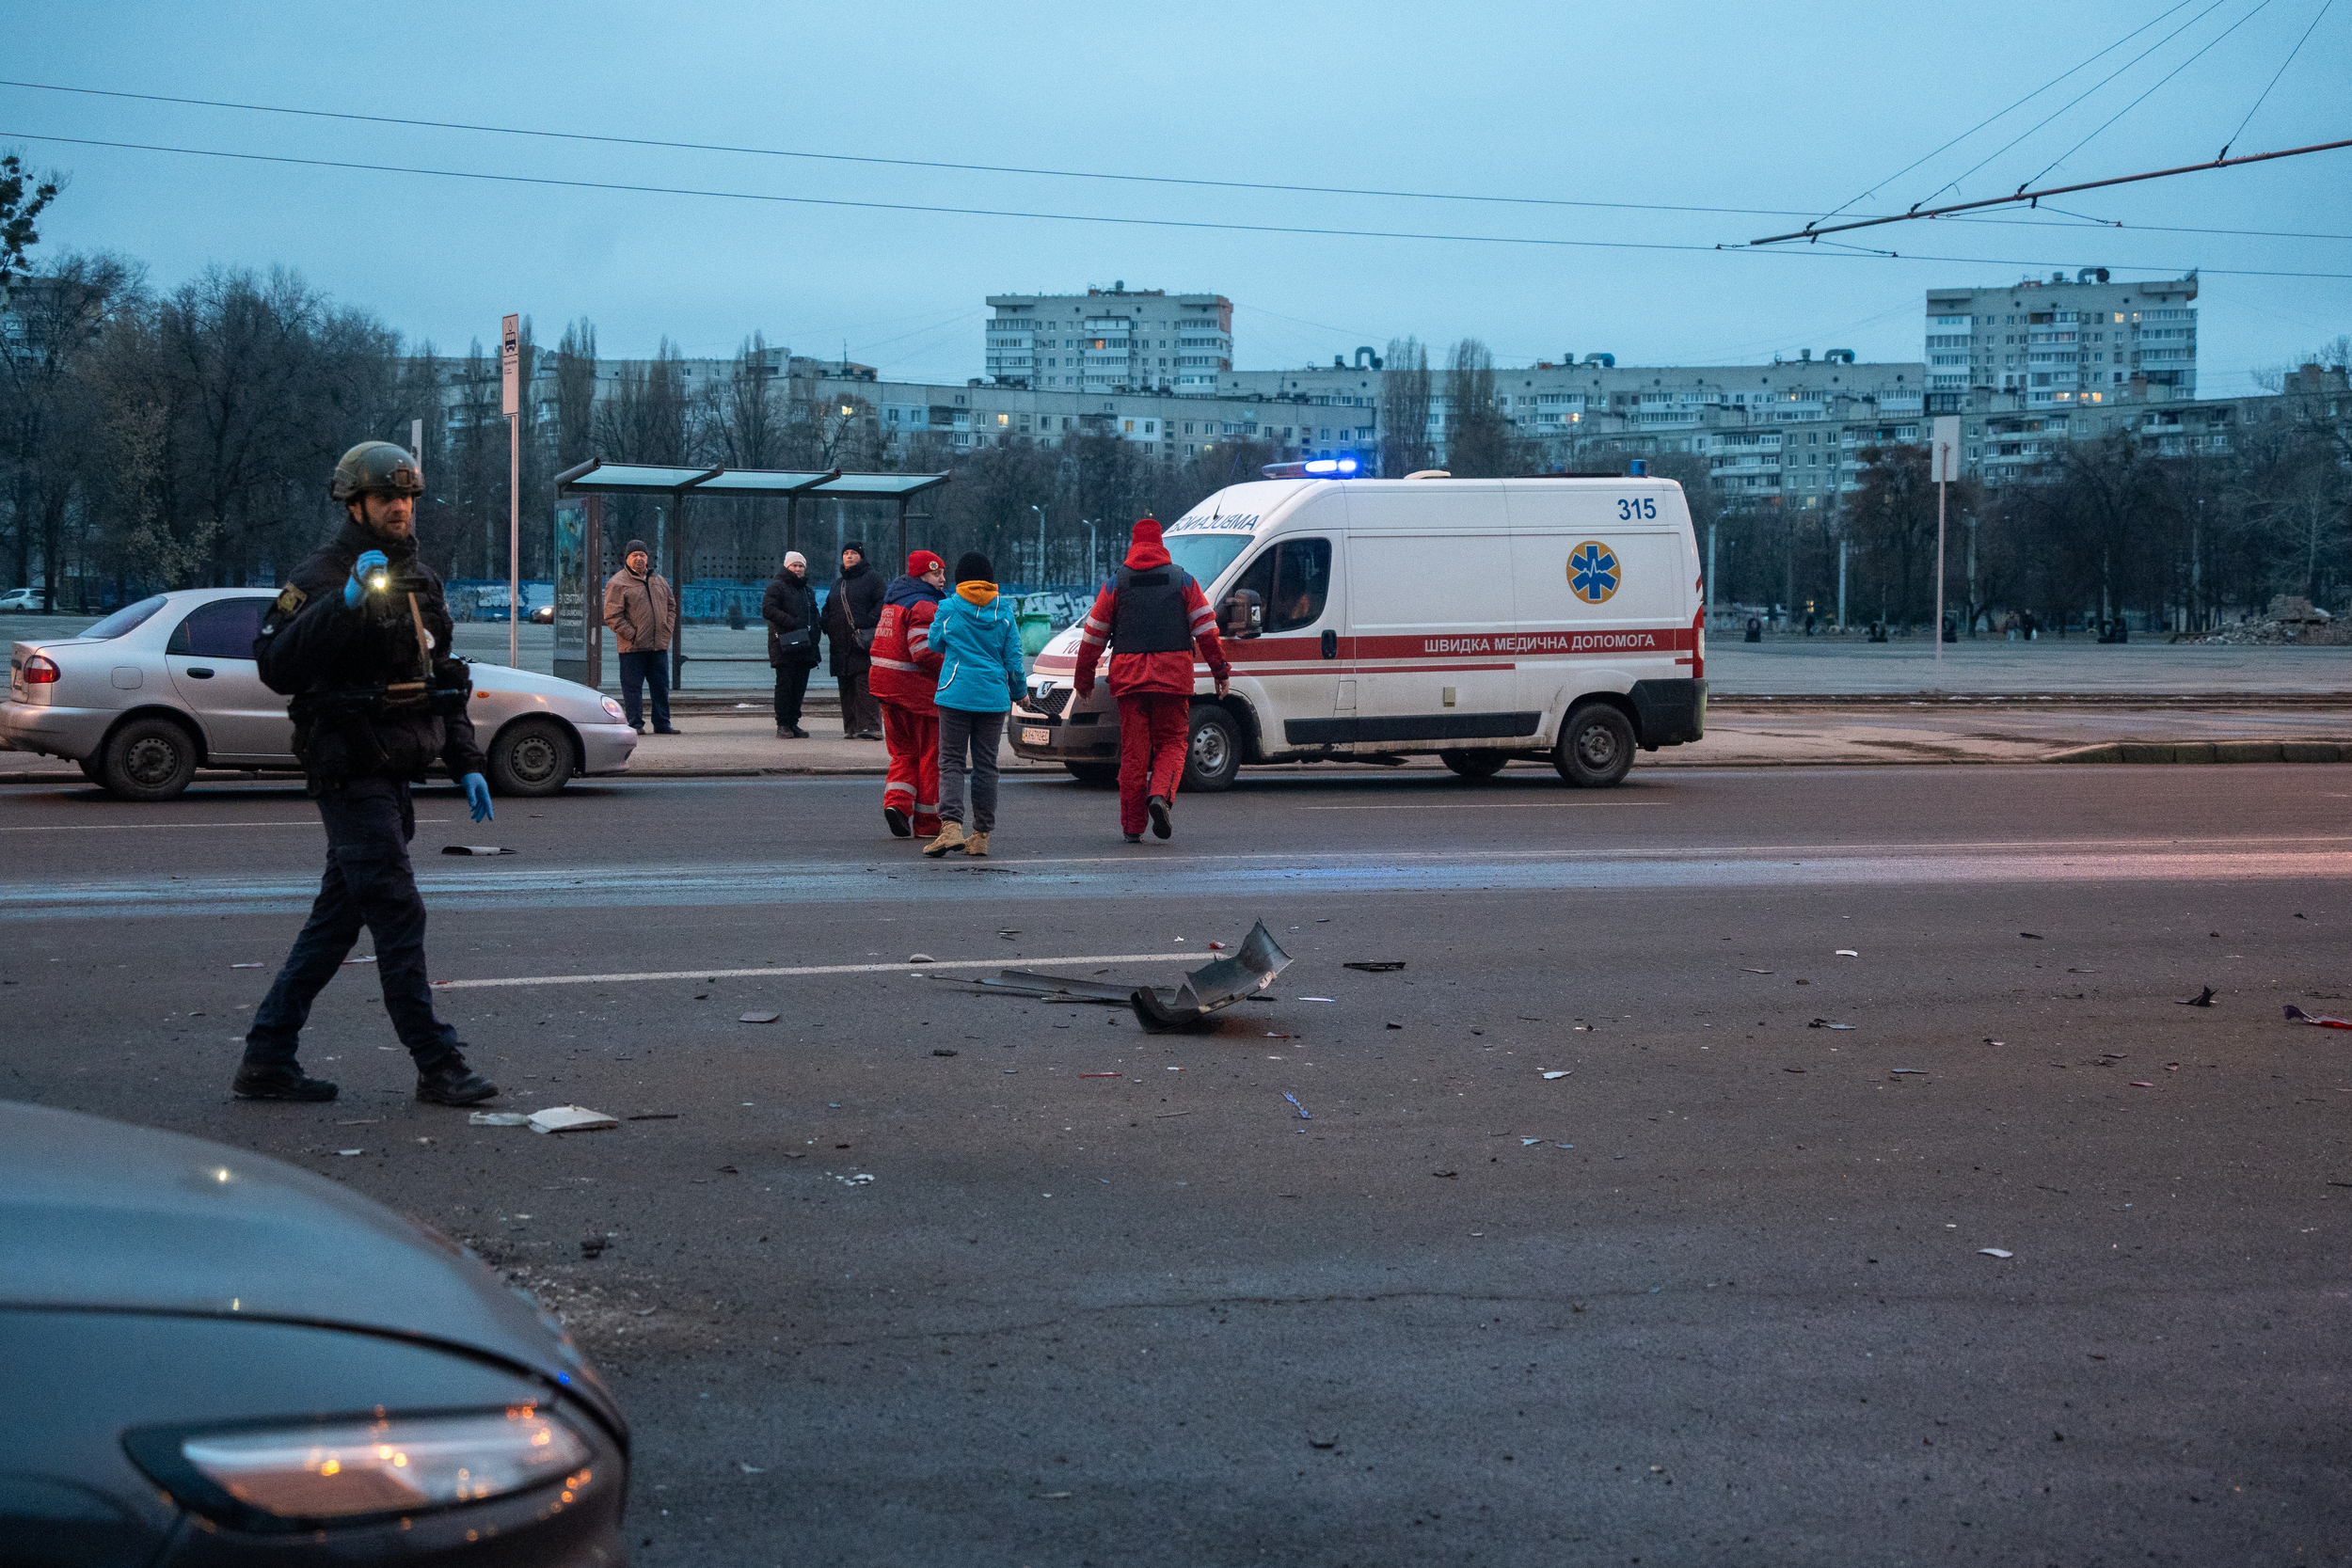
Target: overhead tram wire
2034,197
1198,224
2144,97
2274,80
902,163
2001,113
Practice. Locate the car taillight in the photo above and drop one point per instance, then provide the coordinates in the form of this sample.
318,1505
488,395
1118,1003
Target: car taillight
39,670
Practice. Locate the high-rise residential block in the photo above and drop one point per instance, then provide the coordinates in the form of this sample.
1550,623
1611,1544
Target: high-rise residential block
1114,340
2064,342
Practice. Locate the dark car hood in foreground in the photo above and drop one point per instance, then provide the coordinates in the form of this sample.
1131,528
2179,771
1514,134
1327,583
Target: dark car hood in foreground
98,1216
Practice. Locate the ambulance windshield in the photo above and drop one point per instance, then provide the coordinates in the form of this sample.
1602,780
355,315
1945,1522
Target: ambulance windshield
1205,555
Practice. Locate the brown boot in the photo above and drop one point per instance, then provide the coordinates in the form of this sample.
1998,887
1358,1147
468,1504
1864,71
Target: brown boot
976,845
950,837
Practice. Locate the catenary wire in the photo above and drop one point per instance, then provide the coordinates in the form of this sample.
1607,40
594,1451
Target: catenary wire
2274,80
2143,97
900,163
1202,224
2003,113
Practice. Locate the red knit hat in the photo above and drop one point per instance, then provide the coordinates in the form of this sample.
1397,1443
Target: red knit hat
922,561
1147,531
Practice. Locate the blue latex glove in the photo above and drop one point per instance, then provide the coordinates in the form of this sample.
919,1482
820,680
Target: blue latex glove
478,796
357,588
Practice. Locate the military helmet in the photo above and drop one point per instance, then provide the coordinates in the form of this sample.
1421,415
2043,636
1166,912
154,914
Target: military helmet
377,466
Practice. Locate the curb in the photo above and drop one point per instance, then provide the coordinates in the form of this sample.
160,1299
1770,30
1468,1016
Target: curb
2208,750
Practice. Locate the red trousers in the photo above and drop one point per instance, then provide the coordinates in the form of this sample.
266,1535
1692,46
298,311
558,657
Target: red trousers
1153,729
912,737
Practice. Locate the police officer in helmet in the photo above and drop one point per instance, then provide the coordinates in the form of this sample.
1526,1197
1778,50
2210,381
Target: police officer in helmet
359,639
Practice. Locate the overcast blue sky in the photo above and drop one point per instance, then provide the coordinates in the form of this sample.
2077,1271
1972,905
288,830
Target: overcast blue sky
1788,108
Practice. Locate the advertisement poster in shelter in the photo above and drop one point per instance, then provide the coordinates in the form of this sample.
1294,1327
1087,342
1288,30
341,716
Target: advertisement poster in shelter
575,586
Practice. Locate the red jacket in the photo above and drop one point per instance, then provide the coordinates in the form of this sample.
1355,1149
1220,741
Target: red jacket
1164,671
905,671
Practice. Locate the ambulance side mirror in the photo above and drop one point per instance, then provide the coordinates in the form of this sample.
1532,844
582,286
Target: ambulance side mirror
1241,614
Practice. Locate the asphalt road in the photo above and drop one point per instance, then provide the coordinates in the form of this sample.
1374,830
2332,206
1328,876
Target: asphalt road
1716,1294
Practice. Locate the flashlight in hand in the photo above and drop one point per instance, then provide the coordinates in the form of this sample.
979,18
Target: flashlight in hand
379,582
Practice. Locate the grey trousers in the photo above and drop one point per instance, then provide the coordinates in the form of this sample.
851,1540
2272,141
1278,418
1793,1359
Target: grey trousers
980,733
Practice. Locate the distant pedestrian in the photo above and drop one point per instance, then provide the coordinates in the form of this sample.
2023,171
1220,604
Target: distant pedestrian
980,673
852,611
641,606
1157,621
789,608
905,682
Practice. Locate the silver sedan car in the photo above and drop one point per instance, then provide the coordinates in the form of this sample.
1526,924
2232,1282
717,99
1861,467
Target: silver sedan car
166,686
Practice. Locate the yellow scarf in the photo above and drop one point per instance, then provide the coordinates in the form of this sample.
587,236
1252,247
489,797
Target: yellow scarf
976,594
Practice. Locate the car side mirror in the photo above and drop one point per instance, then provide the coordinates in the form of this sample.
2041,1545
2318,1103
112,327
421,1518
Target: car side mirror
1241,614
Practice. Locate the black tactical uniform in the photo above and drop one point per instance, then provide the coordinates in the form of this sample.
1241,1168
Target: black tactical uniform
375,698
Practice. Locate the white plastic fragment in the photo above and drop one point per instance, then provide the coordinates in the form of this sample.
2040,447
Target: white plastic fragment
1557,1072
1994,1252
1848,952
499,1119
758,1017
245,966
569,1118
920,959
347,1153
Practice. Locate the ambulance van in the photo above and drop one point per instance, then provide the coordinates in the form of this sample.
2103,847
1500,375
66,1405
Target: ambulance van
1483,619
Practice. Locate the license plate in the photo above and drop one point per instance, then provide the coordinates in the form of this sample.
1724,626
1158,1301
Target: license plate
1036,737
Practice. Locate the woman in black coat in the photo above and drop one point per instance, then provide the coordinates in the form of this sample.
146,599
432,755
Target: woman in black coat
789,608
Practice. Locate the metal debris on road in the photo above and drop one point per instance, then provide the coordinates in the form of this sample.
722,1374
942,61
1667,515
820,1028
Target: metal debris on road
245,966
1376,966
2202,999
757,1018
1315,999
1994,1252
1907,1072
347,1153
1848,952
474,849
1303,1114
1217,984
1825,1024
921,958
569,1118
2138,1084
1557,1072
499,1119
2317,1019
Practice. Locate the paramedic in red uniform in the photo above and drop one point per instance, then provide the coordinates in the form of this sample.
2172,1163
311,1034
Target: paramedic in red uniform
1156,619
906,682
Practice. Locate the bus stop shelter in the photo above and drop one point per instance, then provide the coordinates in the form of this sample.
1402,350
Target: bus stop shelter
597,477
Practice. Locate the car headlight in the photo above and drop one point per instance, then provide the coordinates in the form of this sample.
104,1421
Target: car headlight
345,1469
619,714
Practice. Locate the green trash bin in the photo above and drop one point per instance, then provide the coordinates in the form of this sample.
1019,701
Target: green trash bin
1037,628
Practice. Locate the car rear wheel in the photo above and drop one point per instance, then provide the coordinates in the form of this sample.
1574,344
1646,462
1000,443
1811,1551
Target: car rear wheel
1094,775
147,759
1475,764
1596,746
531,756
1213,752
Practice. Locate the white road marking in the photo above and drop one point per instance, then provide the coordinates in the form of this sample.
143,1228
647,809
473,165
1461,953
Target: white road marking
994,960
125,827
1496,805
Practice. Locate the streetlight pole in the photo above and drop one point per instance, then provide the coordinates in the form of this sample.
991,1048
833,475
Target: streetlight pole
1091,579
1041,545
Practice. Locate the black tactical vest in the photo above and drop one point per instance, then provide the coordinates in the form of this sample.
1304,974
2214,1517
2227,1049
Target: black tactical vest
1148,616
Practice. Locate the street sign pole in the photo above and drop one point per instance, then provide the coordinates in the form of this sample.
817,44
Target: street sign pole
510,368
1944,451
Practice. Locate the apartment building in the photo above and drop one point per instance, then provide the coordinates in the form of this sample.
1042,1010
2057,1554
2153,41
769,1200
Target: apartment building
1111,341
2062,343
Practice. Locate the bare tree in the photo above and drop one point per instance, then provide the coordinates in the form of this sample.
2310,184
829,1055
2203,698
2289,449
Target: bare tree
1405,409
1478,440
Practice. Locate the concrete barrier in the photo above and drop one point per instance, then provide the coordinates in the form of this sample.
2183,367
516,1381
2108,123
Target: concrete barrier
2208,750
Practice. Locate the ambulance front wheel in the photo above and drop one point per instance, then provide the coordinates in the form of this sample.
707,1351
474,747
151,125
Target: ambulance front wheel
1212,754
1596,746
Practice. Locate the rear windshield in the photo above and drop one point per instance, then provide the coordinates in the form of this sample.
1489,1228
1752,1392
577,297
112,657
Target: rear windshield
1205,555
129,618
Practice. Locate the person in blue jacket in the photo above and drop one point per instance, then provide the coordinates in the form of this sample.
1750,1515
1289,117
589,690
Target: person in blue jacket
980,673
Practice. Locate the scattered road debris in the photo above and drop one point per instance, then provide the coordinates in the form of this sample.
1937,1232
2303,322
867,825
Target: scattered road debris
347,1153
861,1179
1217,947
1047,1496
475,849
1756,971
1825,1024
592,1246
2031,936
1907,1072
944,1051
750,1469
1792,1069
369,959
1318,999
1393,1024
2139,1083
1848,952
569,1118
1376,966
2202,999
1994,1252
1444,1173
921,958
2320,1021
757,1018
1303,1113
1550,1073
1530,1143
361,1121
1101,1075
1218,984
499,1119
245,966
652,1115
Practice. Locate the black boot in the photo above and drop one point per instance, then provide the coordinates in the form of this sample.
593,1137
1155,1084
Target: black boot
279,1083
451,1082
1159,807
901,826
